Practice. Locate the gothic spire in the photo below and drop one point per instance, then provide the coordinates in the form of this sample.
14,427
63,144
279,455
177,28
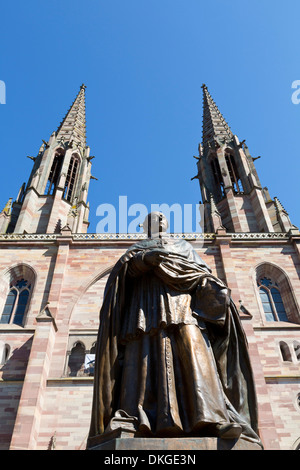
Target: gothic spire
73,126
214,125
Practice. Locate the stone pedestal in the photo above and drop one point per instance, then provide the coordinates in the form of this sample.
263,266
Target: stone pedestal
124,442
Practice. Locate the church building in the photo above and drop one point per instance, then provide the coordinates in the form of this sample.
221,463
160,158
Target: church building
53,274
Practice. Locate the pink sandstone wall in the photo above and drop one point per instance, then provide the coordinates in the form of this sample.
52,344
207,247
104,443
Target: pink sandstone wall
73,275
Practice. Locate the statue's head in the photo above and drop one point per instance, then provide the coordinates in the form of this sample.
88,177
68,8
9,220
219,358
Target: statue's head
155,224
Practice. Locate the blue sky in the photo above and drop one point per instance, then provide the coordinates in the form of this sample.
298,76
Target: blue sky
143,63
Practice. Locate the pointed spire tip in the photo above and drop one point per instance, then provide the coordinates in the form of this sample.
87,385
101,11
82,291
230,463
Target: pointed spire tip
73,127
213,124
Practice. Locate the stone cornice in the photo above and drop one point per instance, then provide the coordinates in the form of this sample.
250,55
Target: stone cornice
132,237
282,378
60,381
277,326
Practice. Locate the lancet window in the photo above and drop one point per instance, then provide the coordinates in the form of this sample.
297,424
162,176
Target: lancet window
285,352
234,174
216,171
290,352
71,178
81,362
76,360
271,300
54,175
16,303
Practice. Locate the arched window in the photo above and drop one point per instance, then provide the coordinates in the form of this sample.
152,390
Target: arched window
16,303
276,293
285,352
54,174
271,300
76,360
234,174
71,178
216,171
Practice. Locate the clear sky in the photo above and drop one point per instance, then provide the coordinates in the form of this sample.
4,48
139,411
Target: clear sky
143,63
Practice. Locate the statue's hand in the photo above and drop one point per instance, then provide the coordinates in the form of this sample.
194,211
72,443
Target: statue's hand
154,257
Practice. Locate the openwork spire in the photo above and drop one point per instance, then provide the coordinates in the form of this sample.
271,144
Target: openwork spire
73,126
214,124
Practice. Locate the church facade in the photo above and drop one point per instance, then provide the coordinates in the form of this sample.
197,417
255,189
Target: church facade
53,273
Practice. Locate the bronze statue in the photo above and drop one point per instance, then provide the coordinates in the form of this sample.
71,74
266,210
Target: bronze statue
172,358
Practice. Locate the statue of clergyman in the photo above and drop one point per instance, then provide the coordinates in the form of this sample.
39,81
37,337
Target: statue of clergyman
172,358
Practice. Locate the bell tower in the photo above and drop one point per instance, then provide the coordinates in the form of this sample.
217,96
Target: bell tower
232,194
56,193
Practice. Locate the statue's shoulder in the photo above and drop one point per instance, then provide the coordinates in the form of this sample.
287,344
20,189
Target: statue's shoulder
141,245
183,246
186,249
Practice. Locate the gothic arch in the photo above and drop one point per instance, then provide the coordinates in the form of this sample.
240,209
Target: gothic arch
76,359
216,174
78,342
233,171
76,154
285,352
58,150
19,269
54,171
11,275
278,275
72,176
97,276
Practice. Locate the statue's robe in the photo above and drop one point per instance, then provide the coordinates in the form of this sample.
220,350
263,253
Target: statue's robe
171,351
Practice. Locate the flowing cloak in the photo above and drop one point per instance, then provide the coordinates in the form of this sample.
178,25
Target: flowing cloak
171,349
